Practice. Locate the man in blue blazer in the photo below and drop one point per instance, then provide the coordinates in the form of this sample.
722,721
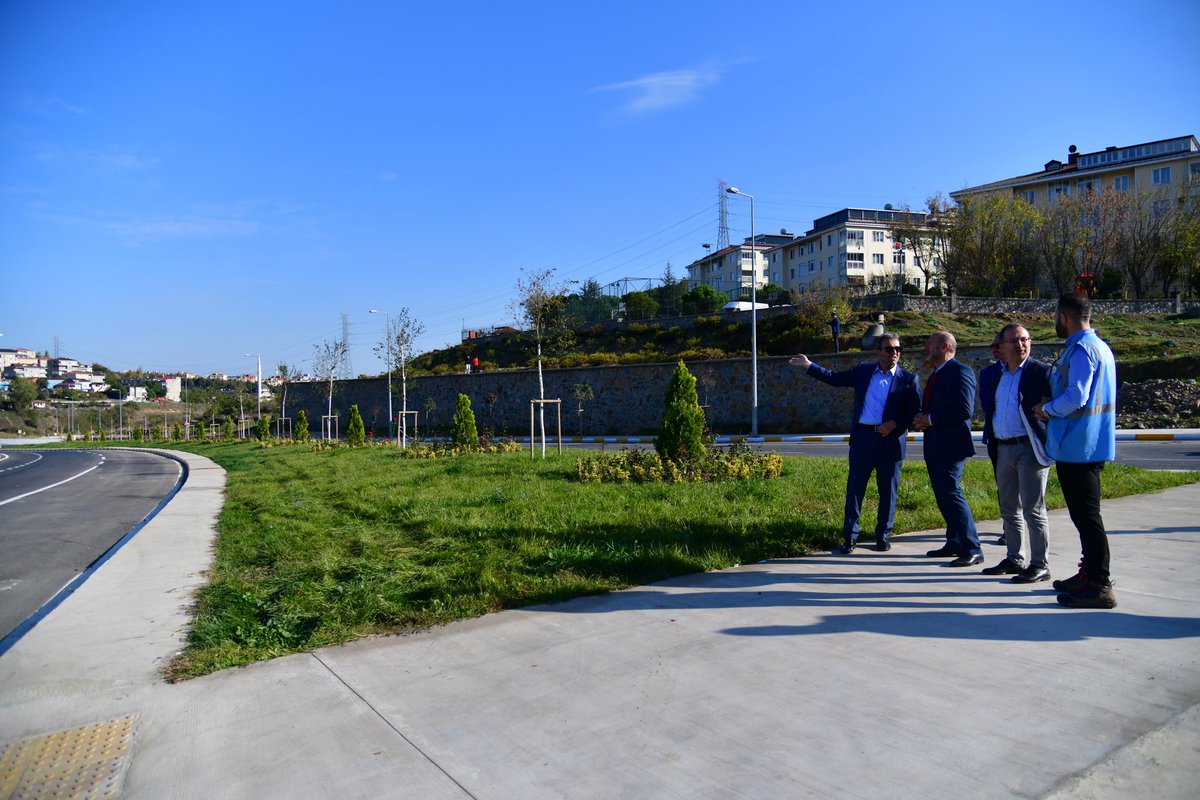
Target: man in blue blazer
946,410
1021,465
886,397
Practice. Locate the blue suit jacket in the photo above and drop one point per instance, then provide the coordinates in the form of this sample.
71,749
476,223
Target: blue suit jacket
951,406
903,401
1034,387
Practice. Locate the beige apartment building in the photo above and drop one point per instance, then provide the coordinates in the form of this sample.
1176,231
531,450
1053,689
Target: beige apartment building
1164,166
731,269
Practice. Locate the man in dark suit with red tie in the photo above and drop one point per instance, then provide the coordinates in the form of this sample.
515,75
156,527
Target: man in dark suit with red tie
945,417
886,397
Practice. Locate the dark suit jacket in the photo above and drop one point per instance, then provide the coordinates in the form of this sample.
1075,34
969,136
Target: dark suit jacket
951,406
903,401
989,379
1034,386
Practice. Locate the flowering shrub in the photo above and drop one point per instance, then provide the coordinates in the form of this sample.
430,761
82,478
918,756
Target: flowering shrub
646,466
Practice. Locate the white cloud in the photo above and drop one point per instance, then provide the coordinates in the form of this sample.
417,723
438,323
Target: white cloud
140,232
663,90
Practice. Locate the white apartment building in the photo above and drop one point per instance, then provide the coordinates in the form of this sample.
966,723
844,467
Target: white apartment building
731,269
851,247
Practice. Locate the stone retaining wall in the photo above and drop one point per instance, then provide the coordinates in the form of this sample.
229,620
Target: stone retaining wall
628,399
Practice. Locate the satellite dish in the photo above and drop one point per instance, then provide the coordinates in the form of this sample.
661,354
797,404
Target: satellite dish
887,206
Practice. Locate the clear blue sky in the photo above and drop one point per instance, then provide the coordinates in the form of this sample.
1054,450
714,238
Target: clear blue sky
183,183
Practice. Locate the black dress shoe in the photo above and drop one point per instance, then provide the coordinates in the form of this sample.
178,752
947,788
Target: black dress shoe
847,548
967,561
883,546
944,551
1005,567
1032,574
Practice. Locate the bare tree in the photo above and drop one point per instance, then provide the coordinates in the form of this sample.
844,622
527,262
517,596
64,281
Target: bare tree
924,233
1056,239
327,359
399,350
1102,219
287,376
540,305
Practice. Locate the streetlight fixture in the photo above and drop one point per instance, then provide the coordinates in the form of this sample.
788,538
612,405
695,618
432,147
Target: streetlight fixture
387,345
259,357
753,317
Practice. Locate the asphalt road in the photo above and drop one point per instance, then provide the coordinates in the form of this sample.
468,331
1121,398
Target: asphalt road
60,510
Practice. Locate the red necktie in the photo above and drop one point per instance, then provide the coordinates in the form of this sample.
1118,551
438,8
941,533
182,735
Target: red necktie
928,391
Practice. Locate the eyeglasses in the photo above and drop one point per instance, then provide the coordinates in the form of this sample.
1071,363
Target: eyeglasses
890,349
1016,339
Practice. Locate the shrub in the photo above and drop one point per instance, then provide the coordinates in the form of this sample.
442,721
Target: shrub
137,435
356,434
680,437
177,433
158,433
463,431
301,434
643,466
262,428
227,429
200,430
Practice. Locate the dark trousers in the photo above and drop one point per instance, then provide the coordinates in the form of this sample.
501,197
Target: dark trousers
945,478
1081,489
870,452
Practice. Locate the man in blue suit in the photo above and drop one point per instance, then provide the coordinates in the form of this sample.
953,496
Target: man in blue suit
886,397
945,417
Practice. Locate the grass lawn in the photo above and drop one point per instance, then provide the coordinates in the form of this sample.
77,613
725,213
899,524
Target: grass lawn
322,547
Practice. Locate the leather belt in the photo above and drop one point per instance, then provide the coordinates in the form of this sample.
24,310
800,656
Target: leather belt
1017,440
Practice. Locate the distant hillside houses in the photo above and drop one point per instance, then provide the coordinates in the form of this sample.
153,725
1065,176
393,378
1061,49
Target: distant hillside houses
58,373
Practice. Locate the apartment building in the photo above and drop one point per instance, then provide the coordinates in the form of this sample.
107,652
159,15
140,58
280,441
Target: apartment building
1141,168
851,247
731,269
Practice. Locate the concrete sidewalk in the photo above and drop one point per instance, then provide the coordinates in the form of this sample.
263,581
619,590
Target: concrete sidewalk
865,676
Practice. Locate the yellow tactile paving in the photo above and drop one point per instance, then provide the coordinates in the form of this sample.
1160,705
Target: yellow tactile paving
80,763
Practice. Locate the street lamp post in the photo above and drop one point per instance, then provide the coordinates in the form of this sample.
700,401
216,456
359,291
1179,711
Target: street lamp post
387,344
753,317
259,357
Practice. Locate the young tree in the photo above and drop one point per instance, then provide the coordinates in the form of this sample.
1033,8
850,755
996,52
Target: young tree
540,304
356,433
704,299
640,305
301,434
582,392
1055,242
177,432
681,436
399,349
287,376
327,359
464,433
262,428
227,429
201,430
1102,219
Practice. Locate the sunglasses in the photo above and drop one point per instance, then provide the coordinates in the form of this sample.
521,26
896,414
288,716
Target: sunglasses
890,349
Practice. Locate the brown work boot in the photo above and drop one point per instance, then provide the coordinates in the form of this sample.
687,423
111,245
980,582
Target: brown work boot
1074,584
1095,596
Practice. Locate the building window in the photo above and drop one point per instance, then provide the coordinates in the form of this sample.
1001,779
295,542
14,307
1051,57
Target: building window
1029,195
898,258
877,258
1195,168
811,245
854,260
812,266
1058,189
877,236
792,274
829,237
830,262
1161,175
841,237
1121,183
1086,186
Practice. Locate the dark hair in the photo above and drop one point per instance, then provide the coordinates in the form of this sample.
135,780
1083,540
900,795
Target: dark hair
1076,306
890,336
1007,329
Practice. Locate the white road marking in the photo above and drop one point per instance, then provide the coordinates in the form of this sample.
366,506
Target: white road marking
51,486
